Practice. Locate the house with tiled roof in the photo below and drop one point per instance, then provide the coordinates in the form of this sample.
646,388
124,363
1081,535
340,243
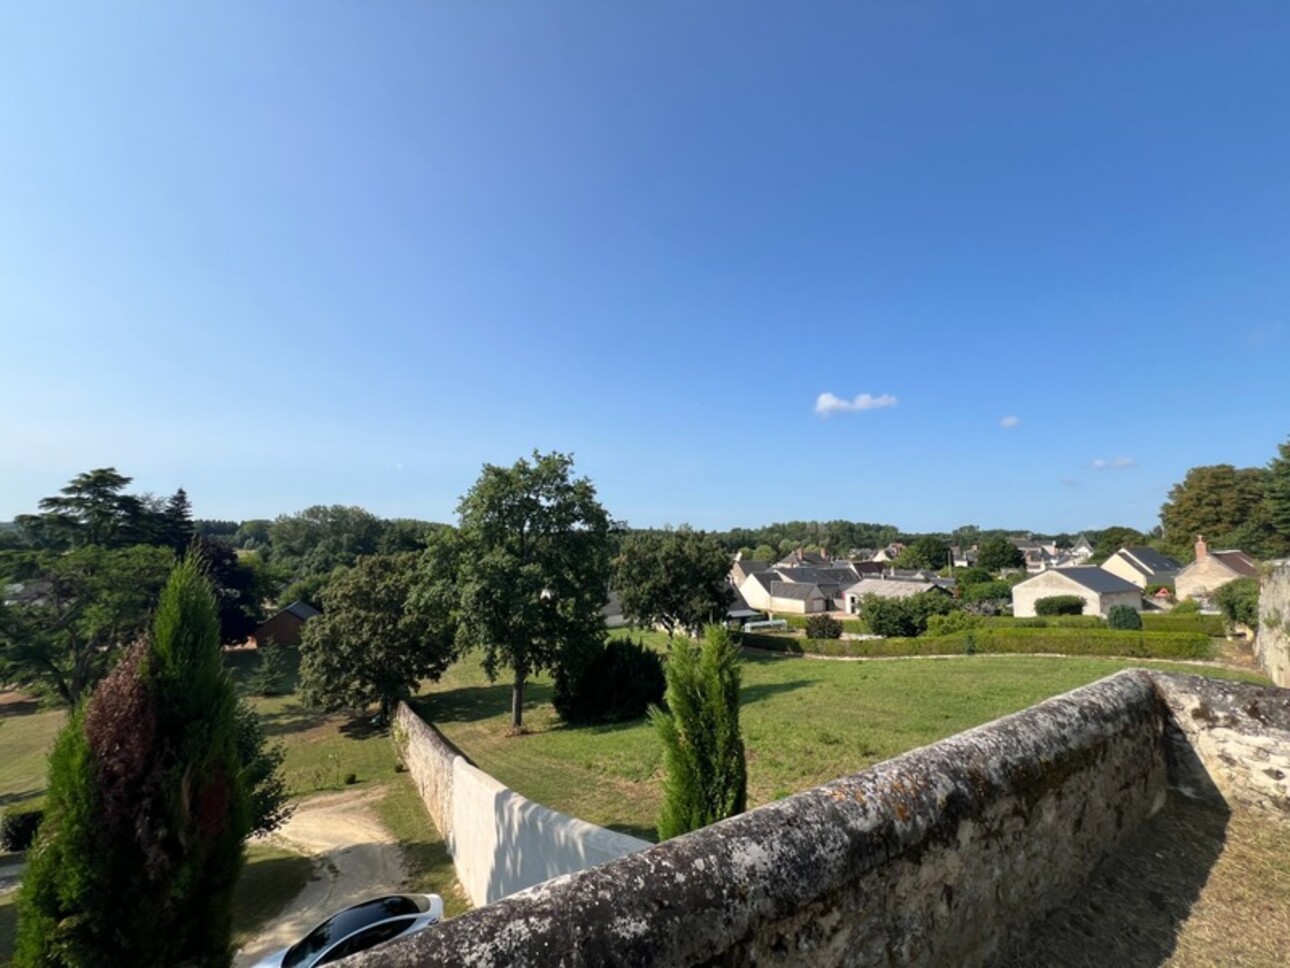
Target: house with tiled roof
1212,570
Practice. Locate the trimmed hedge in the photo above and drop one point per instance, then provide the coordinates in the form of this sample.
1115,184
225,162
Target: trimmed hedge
1211,625
1049,622
853,625
1004,641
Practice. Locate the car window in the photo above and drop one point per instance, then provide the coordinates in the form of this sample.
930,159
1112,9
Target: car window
346,923
368,938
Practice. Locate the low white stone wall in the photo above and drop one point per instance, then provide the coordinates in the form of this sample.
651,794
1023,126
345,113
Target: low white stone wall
500,841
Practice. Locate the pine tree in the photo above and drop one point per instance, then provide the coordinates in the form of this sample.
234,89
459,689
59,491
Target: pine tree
148,806
703,751
1276,496
177,521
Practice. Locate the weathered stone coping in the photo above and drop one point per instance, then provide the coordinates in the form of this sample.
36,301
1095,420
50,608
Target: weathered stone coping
938,856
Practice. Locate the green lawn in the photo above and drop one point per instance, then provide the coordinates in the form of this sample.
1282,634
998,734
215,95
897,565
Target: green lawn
804,721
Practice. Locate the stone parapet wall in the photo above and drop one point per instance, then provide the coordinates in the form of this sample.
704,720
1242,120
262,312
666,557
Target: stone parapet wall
500,842
941,856
1229,738
1272,637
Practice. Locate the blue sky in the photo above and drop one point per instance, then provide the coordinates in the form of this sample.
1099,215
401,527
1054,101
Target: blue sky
295,253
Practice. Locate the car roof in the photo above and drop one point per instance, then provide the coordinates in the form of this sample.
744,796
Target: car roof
344,923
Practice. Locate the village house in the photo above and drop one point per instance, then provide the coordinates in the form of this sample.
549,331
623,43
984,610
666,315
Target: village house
854,595
1143,566
1101,590
1212,570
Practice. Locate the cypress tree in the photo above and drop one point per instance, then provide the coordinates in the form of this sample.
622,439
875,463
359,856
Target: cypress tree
703,750
148,806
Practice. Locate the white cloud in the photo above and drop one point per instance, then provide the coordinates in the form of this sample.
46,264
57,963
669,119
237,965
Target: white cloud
1113,464
827,403
1007,423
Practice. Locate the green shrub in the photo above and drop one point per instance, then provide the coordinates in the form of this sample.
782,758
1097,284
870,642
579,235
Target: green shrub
706,774
904,617
1188,606
1186,622
272,669
351,779
617,682
1049,622
989,591
19,827
1239,602
952,623
854,625
1124,617
823,627
1060,605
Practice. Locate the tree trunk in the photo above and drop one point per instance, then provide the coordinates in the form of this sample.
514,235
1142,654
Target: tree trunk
517,702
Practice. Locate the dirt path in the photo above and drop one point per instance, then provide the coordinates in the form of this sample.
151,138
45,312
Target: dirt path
356,857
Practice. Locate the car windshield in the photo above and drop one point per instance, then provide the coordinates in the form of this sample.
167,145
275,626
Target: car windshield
346,923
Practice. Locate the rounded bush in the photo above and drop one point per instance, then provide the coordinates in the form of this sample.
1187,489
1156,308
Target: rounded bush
1060,605
823,627
617,682
1124,617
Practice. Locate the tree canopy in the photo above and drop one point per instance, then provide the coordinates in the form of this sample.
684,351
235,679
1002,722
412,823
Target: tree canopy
1222,502
677,579
387,623
997,553
535,567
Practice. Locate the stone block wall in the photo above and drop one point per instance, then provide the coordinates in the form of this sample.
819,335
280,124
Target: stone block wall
1272,638
500,842
941,856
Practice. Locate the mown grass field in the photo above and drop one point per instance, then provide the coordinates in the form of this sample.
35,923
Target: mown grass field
805,721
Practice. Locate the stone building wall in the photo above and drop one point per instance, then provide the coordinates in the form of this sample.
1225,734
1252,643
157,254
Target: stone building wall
1272,641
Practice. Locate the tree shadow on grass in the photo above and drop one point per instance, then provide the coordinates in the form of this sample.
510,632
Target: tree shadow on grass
640,832
22,707
751,694
364,727
294,718
469,704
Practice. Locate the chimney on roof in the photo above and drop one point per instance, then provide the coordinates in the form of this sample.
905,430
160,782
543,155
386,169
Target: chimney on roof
1202,549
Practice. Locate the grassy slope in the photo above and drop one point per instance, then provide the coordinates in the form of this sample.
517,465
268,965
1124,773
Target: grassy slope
805,722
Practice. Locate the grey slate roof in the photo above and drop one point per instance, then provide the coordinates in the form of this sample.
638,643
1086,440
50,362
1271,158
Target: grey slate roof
1093,578
890,588
793,589
1238,561
302,610
1151,559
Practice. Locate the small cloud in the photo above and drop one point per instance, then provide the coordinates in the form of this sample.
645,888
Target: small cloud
1113,464
1007,423
1070,482
827,403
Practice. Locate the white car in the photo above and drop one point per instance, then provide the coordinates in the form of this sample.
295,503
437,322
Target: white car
359,927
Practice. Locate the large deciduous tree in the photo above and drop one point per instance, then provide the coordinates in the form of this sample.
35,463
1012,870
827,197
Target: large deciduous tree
387,623
706,774
76,612
997,553
925,552
149,805
535,568
678,579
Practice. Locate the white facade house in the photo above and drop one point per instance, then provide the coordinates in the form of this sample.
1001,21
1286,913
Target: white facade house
1143,566
1100,590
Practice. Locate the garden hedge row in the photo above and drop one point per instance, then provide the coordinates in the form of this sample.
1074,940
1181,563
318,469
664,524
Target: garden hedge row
1005,641
854,625
1193,622
1151,622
